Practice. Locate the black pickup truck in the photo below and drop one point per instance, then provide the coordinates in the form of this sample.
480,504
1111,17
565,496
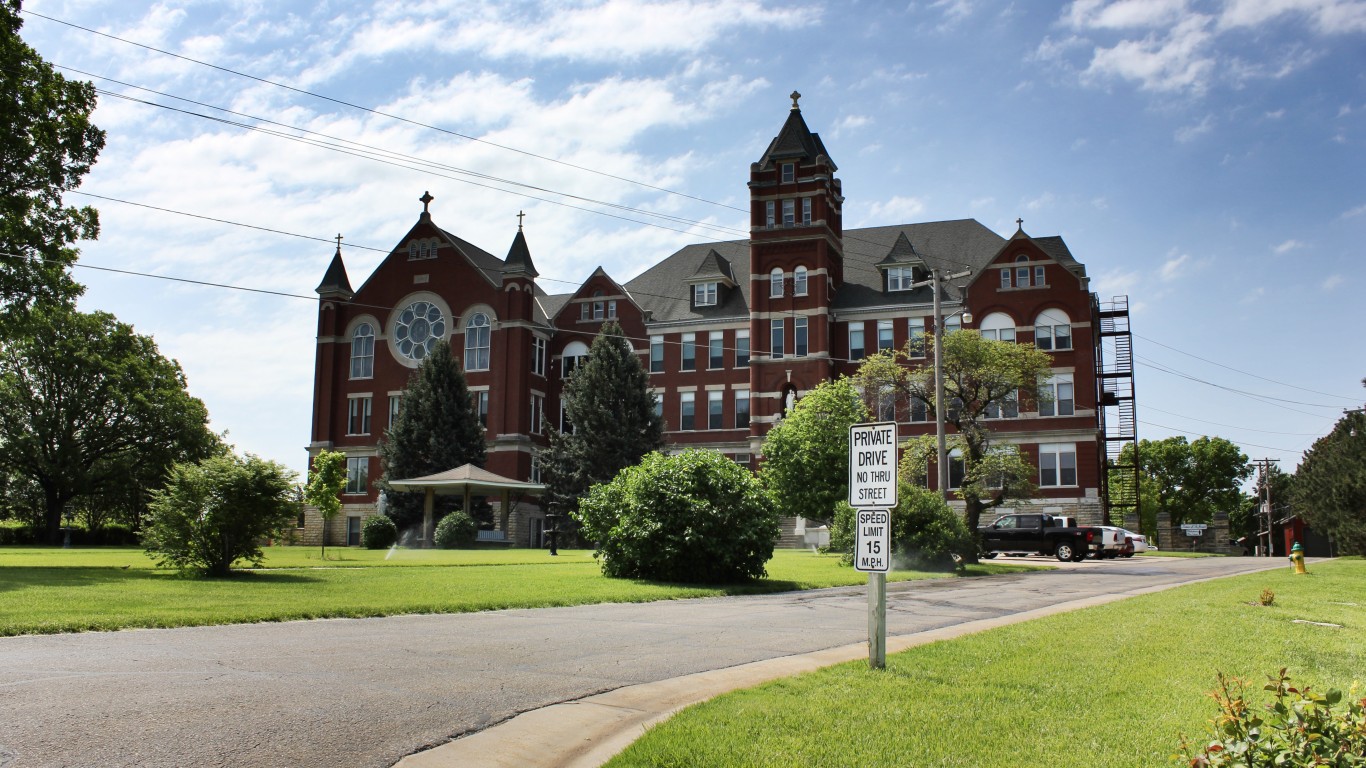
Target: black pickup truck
1042,534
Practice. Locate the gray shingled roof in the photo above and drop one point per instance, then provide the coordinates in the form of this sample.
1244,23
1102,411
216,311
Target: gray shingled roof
664,292
714,266
950,246
794,142
902,252
335,280
1055,247
490,265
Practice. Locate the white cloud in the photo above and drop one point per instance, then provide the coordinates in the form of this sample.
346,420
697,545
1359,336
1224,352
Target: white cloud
1331,282
1117,282
1175,61
1354,212
1174,267
1277,115
1328,16
1253,296
1124,14
1188,133
894,211
1287,247
1041,202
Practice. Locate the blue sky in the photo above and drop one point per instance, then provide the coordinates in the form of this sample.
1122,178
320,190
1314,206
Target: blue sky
1204,158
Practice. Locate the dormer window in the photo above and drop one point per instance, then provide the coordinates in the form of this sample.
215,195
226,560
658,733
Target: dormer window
789,173
901,278
704,295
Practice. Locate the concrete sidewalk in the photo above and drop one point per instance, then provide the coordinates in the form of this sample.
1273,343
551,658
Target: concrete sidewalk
588,732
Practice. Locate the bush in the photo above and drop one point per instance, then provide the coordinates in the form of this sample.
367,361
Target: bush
1300,728
378,532
455,531
694,517
926,532
15,532
218,511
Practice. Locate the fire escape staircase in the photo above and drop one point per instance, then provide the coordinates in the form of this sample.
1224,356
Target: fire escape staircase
1119,419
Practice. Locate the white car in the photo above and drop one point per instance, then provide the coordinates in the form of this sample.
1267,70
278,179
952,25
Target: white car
1140,543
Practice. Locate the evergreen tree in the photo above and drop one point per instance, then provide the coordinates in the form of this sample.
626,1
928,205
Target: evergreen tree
608,403
436,429
1330,485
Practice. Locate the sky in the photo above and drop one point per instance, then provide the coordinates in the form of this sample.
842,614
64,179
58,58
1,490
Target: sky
1206,159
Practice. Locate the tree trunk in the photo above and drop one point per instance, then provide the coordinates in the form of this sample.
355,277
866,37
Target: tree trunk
54,505
972,516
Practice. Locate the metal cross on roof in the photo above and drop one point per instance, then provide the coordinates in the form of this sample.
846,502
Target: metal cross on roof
1019,224
426,200
339,239
520,214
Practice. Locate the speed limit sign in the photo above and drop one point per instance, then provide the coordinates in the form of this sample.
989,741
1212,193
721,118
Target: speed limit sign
872,540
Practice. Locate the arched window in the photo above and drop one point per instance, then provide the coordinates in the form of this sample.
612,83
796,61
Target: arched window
775,283
477,342
363,352
1052,330
799,281
998,326
573,357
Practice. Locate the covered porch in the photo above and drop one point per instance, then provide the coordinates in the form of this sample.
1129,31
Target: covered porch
468,481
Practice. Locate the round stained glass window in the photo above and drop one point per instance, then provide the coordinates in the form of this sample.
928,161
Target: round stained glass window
419,329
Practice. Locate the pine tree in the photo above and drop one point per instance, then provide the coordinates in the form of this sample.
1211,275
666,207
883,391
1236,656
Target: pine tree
436,429
614,424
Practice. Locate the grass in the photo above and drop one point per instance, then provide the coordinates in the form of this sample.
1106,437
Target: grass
46,590
1106,687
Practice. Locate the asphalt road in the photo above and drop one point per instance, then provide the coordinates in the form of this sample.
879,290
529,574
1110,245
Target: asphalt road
365,692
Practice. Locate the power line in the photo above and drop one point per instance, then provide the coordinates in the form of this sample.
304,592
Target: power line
1232,426
1253,395
1245,373
1190,432
372,111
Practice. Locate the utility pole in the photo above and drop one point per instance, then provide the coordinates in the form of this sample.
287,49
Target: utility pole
941,439
1264,497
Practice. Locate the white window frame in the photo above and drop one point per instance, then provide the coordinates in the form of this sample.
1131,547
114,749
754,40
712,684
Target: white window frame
1052,465
1007,408
789,172
363,352
998,326
570,361
479,403
775,283
742,345
1005,277
800,337
689,359
704,295
789,213
1046,327
687,411
806,210
799,281
915,337
537,412
777,339
538,355
716,409
1056,404
359,410
716,350
888,329
742,396
900,278
769,215
656,354
857,352
357,476
478,342
395,404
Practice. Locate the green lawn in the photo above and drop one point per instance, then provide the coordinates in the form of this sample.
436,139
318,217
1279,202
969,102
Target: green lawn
55,590
1101,687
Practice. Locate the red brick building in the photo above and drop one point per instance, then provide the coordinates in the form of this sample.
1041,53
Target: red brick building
731,332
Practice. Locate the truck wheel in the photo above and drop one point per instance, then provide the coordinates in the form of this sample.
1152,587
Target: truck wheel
1065,552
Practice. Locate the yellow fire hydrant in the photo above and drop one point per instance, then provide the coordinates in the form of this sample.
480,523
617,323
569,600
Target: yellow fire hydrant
1297,558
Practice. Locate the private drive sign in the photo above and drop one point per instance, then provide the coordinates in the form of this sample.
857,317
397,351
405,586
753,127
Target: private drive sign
872,465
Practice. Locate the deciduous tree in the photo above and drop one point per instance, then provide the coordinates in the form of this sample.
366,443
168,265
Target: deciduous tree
48,143
806,455
436,430
325,484
216,512
89,408
1189,481
982,378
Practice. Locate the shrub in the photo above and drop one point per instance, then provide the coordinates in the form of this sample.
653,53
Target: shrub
926,532
15,532
694,517
456,530
378,532
1300,728
218,511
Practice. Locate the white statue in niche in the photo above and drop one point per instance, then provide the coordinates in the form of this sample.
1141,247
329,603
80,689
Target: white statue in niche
789,400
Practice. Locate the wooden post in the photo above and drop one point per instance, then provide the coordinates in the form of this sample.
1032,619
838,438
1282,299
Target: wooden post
877,620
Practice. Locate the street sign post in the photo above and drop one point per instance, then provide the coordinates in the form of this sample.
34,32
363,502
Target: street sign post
872,494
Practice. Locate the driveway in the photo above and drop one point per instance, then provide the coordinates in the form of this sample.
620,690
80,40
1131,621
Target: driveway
366,692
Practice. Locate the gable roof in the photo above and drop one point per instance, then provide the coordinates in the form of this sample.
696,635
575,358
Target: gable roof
902,252
714,266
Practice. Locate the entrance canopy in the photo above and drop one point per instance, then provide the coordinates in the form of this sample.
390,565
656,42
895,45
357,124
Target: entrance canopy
466,480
